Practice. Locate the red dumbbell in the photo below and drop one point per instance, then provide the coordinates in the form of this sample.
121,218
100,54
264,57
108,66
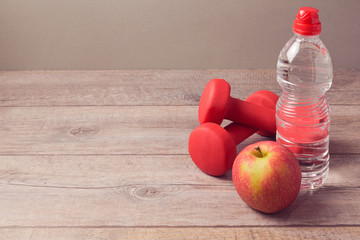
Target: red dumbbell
216,104
269,100
213,148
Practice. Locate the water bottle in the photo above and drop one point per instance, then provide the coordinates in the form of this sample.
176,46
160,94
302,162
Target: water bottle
304,72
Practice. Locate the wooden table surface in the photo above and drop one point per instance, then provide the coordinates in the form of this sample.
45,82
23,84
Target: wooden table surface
103,155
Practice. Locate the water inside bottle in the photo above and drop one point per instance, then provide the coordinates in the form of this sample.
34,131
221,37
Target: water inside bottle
304,72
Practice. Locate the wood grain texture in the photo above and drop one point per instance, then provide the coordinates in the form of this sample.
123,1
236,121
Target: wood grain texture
103,155
138,190
173,87
128,129
251,233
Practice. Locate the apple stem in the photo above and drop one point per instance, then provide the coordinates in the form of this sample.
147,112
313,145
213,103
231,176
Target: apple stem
259,150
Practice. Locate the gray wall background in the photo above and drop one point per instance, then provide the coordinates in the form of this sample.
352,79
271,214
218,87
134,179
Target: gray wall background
166,34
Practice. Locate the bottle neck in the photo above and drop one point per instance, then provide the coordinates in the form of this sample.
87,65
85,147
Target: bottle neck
298,35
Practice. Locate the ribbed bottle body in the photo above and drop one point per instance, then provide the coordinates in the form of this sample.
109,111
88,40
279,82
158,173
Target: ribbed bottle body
304,72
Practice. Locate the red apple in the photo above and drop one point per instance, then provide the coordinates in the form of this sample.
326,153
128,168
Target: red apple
267,176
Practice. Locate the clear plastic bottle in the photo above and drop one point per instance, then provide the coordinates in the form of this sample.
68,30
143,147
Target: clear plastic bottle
304,72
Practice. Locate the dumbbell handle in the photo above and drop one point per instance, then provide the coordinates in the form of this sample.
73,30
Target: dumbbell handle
251,115
239,132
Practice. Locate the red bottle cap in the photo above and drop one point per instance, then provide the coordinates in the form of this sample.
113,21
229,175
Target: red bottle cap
307,22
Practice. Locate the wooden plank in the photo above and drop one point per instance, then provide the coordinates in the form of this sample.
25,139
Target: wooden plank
150,87
251,233
101,171
159,205
129,130
96,130
147,190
